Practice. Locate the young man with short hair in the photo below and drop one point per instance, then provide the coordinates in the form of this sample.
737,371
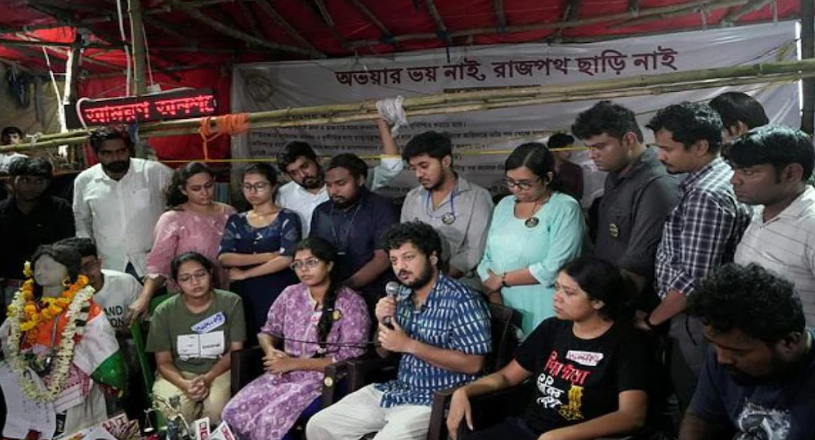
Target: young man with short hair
10,136
354,220
759,382
459,210
118,201
307,189
439,325
638,196
771,168
700,234
569,173
29,218
740,113
115,291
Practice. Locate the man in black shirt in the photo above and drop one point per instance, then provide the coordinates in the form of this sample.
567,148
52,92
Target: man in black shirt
28,219
759,380
354,220
639,194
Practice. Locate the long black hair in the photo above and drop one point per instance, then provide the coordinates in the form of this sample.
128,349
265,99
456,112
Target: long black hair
325,251
173,194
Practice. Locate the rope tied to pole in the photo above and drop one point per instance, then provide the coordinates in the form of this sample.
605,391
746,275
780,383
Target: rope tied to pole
213,126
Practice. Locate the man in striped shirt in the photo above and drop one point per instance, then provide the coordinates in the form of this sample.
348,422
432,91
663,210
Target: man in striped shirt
772,165
701,232
440,326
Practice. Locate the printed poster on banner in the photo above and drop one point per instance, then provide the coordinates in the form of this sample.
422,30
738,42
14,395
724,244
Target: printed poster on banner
481,139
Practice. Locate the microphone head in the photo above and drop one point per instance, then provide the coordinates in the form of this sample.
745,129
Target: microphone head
392,289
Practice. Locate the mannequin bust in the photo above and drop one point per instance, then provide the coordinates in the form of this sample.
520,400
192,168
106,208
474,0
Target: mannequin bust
56,331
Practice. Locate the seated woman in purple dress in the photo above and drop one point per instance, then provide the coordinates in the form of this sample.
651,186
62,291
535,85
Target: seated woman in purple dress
319,309
258,246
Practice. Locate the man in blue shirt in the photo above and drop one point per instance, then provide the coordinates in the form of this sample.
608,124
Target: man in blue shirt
759,382
439,325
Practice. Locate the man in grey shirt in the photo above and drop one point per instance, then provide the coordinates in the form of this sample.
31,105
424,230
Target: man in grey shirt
639,194
460,211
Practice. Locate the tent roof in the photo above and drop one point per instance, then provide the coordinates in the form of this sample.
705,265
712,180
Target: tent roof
192,34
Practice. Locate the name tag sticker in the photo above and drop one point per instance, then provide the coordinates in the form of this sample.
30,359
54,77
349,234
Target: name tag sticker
210,324
212,344
187,346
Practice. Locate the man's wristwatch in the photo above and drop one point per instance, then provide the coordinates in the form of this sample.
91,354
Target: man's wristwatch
504,280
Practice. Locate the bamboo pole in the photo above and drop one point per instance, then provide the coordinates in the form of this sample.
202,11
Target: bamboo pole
706,4
522,92
808,52
234,33
266,6
428,106
499,103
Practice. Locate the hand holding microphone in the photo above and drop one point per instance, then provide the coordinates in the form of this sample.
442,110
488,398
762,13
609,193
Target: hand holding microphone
386,307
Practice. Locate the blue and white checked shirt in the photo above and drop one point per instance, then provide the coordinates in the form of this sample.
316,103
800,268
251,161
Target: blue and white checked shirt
454,317
702,231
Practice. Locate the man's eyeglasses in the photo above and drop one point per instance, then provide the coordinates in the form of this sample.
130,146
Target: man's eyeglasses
522,185
257,187
309,263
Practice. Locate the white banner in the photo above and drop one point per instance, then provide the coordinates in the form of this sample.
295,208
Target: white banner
268,86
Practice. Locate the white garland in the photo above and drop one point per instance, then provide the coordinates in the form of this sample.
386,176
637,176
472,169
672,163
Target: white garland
64,355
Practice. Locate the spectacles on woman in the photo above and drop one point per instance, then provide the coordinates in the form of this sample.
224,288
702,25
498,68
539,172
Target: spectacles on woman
258,187
522,184
309,263
199,275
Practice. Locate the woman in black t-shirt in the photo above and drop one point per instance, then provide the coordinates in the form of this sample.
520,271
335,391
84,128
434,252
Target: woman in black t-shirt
590,366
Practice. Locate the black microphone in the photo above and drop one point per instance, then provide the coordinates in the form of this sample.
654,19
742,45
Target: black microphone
392,291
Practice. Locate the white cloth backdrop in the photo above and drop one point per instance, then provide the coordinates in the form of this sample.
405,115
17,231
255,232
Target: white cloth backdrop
268,86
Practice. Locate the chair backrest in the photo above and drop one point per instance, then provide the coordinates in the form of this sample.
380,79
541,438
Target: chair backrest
504,321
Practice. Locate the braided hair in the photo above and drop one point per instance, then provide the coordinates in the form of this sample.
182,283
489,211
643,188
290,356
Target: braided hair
325,251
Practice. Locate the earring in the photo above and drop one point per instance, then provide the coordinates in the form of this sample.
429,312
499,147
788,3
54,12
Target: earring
66,282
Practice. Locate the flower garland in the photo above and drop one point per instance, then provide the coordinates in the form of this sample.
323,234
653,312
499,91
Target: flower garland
77,298
34,314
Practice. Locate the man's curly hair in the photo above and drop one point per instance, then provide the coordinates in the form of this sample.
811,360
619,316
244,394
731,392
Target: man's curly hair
751,299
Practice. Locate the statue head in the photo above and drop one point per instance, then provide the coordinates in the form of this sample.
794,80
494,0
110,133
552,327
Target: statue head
52,264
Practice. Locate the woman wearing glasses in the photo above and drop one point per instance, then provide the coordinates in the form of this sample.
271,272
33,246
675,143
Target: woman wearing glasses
193,222
193,335
534,231
258,245
317,322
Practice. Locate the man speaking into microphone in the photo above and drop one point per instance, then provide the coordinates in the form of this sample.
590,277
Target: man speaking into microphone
439,325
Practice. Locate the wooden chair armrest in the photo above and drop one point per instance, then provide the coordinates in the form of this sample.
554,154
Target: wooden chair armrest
334,373
247,364
437,430
359,370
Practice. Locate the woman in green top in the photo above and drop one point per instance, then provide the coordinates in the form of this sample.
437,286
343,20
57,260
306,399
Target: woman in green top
193,335
534,232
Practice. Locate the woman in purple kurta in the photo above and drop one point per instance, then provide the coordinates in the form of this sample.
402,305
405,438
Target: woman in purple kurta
333,318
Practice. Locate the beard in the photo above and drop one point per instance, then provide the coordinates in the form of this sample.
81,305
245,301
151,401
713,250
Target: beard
344,202
313,182
118,166
420,281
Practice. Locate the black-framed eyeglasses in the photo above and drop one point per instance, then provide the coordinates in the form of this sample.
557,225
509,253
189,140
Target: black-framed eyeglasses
522,185
257,187
309,263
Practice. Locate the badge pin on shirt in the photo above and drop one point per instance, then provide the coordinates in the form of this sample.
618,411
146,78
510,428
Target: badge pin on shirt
613,230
